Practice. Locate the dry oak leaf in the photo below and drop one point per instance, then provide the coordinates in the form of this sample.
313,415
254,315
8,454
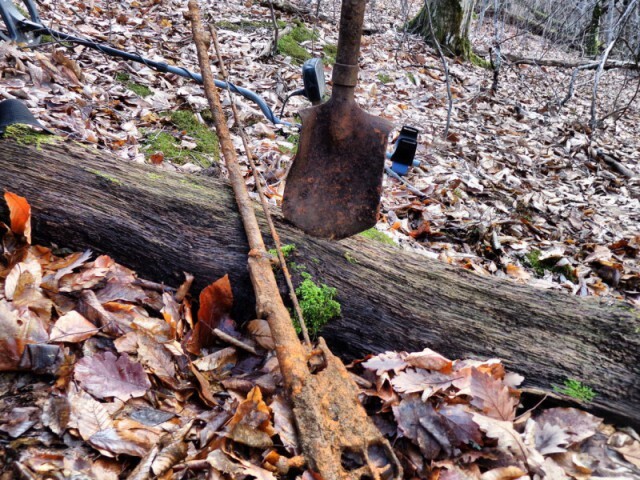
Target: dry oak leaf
419,422
550,439
19,214
105,375
492,396
508,439
417,380
579,425
386,361
72,328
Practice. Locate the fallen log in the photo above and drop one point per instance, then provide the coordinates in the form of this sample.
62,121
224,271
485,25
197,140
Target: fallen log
163,224
582,64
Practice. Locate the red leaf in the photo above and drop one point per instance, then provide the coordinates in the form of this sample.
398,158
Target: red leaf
216,301
20,214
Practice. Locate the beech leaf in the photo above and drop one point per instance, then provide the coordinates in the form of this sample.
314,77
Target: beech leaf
429,360
105,375
72,328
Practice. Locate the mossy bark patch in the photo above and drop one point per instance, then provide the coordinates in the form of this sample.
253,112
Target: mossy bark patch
450,20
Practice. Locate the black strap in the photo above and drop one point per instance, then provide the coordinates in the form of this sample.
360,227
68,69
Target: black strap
14,111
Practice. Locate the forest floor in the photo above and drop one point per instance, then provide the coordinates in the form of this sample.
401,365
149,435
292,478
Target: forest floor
516,190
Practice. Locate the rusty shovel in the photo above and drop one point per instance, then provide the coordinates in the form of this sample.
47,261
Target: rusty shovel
334,185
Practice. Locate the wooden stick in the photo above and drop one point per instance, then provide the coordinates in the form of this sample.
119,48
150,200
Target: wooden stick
269,305
263,198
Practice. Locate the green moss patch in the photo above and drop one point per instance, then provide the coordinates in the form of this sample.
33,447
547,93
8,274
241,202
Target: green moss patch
318,304
287,250
105,176
25,135
247,25
384,78
184,122
575,389
378,236
137,88
532,259
330,52
293,139
290,44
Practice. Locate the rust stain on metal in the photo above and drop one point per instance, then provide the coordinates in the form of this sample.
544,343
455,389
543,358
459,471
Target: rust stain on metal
336,434
333,188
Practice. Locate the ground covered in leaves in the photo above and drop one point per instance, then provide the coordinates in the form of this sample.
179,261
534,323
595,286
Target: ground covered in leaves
519,188
105,375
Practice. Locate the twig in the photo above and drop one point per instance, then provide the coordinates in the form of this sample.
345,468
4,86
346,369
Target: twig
274,48
234,341
263,198
496,57
410,187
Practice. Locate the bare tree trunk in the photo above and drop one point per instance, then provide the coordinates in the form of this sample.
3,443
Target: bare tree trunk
592,38
450,20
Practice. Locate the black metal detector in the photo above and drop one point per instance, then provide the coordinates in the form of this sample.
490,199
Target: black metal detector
21,29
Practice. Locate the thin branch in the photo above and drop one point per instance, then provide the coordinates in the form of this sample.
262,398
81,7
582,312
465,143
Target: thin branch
259,188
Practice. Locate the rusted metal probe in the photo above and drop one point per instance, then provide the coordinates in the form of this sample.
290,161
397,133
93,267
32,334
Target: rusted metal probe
338,439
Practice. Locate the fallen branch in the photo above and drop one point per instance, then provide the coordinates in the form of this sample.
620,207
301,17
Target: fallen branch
163,224
582,64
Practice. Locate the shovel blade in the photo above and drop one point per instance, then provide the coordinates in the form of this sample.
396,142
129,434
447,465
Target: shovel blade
334,186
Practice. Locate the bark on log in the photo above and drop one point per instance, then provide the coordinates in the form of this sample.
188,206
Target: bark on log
162,224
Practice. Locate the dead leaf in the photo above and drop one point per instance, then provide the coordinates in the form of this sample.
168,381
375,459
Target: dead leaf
492,397
386,362
419,422
630,449
429,360
283,423
218,361
72,328
418,380
261,333
503,473
19,214
105,375
579,425
88,415
216,301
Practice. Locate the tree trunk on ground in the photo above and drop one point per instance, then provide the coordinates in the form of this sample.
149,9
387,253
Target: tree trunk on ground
450,20
163,224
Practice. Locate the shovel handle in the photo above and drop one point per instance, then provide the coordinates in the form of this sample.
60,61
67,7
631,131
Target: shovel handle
345,71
